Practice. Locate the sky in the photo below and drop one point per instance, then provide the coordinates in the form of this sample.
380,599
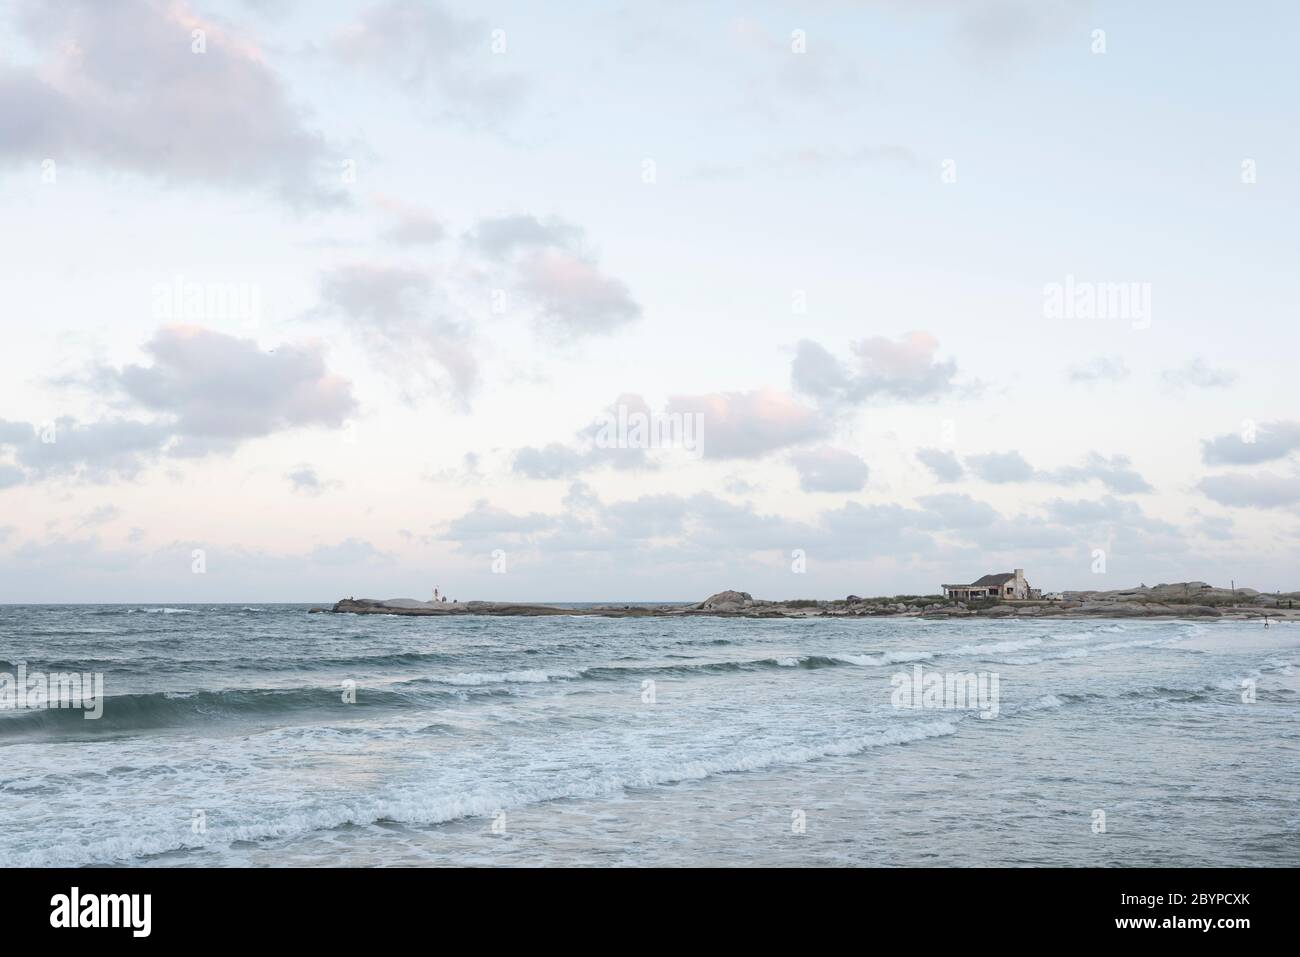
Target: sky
309,300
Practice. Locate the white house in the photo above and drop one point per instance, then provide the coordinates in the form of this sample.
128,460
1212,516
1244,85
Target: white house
1005,585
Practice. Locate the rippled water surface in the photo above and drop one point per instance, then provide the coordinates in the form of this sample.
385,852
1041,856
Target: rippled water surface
530,741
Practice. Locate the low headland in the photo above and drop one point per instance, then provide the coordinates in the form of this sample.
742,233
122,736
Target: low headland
1179,600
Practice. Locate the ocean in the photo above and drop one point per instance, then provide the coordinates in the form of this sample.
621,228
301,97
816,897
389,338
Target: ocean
265,736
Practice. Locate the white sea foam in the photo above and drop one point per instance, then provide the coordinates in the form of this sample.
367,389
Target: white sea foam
425,806
997,647
528,676
884,658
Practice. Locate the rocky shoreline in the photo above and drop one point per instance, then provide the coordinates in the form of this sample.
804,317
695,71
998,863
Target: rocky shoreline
1179,600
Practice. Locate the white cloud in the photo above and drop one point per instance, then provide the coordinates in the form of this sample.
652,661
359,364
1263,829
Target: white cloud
218,390
574,297
1098,369
409,225
905,369
1260,490
549,263
118,85
208,392
942,463
395,312
1253,444
443,61
830,470
741,425
1198,374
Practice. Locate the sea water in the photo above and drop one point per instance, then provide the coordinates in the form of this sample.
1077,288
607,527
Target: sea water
263,735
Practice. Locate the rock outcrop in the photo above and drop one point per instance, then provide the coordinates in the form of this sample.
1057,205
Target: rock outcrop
726,601
1182,600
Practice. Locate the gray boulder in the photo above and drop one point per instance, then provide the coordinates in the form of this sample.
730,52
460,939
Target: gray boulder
727,601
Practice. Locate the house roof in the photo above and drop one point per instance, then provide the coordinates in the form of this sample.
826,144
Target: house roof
992,580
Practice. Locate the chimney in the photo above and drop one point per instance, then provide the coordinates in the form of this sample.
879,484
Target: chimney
1020,574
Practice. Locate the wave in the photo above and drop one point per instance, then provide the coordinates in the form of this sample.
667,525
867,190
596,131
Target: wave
1047,702
996,647
130,713
1087,650
422,805
529,676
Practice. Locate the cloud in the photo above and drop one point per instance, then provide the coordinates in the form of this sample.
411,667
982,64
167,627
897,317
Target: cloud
1000,467
409,225
435,56
304,480
16,433
695,527
1118,526
87,451
1098,369
574,297
731,425
101,515
548,263
723,539
883,369
86,569
942,463
822,75
1085,512
743,425
1004,27
467,472
1254,444
392,312
1116,517
499,238
349,553
1115,473
621,437
208,392
1262,490
486,527
830,470
960,511
1197,374
1217,527
118,85
552,461
989,31
218,390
